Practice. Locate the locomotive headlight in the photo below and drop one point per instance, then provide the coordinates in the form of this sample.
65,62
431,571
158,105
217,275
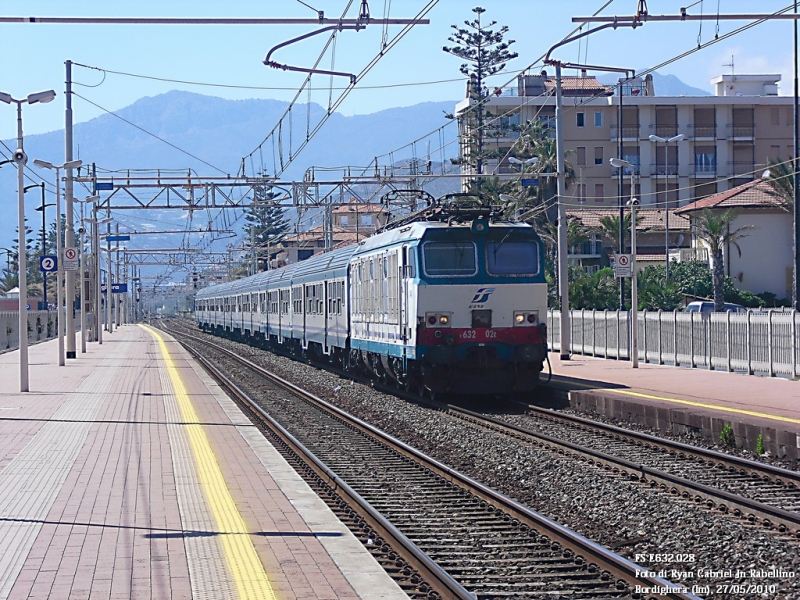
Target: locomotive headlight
526,318
437,319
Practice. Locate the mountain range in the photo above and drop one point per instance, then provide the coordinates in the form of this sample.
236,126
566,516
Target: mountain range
149,133
215,134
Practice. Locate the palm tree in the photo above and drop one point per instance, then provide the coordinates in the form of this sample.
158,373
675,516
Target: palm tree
781,181
609,229
536,141
715,229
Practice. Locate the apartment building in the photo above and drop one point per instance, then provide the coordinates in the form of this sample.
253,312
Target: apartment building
728,136
347,224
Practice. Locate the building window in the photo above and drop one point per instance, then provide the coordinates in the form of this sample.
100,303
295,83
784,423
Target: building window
598,119
366,221
705,160
774,115
344,220
580,119
581,193
581,156
598,155
304,254
599,192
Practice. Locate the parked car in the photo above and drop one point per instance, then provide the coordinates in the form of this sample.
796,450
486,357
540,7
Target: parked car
707,307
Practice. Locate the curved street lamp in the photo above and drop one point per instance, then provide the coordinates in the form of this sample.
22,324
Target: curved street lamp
21,159
667,142
72,164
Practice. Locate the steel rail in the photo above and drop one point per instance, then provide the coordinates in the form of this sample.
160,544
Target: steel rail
730,460
437,577
631,574
725,501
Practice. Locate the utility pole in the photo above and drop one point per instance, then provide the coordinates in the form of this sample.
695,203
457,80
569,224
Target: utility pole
70,233
563,265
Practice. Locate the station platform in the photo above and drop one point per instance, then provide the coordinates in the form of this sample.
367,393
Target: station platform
127,473
682,400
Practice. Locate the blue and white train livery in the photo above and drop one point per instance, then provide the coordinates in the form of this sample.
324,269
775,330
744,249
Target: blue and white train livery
447,303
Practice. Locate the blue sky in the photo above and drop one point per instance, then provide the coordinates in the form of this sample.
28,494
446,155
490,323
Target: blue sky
233,55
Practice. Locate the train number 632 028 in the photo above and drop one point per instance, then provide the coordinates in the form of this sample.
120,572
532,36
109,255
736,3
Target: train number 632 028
471,334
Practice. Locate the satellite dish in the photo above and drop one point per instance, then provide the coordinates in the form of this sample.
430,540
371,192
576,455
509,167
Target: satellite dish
680,239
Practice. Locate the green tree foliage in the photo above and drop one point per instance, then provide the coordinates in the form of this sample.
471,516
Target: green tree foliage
609,230
599,291
265,222
655,292
782,182
716,229
484,54
536,140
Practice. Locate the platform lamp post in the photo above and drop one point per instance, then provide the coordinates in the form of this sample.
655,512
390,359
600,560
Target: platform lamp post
666,141
82,278
21,159
61,321
44,242
633,203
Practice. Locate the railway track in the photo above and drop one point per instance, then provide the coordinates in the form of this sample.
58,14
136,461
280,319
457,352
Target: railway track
444,534
748,489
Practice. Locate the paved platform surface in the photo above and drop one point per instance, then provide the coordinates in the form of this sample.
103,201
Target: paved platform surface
680,398
127,473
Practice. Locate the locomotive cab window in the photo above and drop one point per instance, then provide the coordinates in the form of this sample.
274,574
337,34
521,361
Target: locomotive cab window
512,258
454,259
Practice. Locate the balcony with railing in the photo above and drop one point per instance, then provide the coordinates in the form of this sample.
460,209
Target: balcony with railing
626,171
629,132
663,170
741,132
667,130
703,131
700,170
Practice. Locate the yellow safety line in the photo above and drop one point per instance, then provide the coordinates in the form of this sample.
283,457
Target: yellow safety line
245,566
740,411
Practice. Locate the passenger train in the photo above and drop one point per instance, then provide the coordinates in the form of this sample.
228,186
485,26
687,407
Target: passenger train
449,299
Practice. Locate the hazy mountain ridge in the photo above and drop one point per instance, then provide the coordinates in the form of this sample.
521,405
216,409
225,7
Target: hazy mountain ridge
220,132
664,85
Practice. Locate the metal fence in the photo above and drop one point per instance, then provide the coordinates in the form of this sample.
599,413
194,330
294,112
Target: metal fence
41,326
753,342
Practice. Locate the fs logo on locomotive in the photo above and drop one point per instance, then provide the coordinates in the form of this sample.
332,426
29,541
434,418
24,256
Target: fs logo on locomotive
482,295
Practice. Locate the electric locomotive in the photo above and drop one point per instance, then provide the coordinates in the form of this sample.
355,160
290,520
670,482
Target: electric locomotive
445,300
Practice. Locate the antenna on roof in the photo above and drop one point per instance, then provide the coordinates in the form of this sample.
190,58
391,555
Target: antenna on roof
730,64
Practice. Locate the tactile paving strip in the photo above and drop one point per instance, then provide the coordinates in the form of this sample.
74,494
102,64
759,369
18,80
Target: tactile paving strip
209,577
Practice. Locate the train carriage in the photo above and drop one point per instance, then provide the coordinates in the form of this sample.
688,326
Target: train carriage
453,302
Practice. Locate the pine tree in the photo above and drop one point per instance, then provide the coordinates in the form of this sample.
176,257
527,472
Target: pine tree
266,221
486,54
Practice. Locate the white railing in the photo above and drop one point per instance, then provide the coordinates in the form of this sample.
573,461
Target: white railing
41,326
752,342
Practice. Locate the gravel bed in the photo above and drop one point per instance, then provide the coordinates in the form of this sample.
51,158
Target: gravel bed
615,512
695,439
746,486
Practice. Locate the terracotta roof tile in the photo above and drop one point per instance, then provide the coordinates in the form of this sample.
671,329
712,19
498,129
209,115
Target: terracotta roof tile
753,194
576,83
648,218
